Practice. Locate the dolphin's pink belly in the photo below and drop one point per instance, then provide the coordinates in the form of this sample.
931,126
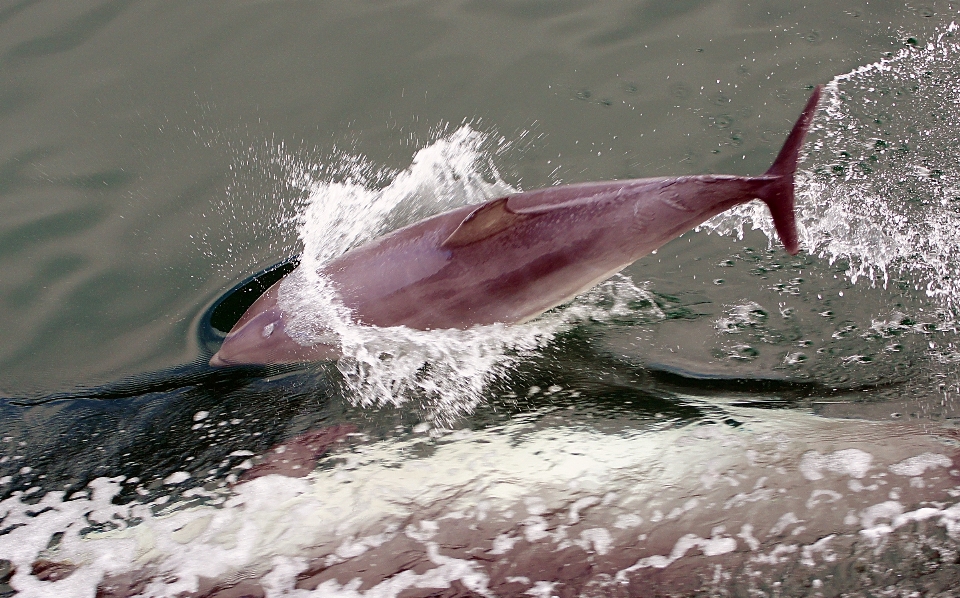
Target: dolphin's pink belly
478,286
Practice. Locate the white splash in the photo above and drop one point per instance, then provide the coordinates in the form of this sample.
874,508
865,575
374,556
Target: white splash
446,371
878,186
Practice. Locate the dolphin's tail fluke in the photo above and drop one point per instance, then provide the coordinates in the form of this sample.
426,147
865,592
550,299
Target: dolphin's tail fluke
778,195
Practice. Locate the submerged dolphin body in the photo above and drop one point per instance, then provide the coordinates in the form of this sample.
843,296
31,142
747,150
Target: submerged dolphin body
510,259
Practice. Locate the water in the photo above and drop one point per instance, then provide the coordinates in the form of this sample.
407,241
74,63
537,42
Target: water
721,419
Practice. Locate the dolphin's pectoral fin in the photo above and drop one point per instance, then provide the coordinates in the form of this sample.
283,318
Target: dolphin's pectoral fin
486,221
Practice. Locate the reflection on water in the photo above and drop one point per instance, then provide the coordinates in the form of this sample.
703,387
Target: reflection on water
661,433
561,495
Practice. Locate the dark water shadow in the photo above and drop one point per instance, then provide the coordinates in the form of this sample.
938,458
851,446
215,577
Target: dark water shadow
222,314
70,35
188,420
573,361
15,8
150,425
202,422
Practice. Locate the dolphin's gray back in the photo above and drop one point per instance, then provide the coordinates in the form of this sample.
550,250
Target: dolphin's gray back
435,275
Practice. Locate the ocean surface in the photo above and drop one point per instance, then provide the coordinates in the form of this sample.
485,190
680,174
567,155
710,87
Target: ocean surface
719,419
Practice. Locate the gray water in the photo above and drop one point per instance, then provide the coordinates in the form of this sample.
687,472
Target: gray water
155,154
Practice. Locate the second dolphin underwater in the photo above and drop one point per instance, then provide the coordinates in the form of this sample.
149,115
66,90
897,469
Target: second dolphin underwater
510,259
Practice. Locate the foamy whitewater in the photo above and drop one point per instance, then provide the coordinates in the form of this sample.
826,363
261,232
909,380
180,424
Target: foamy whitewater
580,500
757,498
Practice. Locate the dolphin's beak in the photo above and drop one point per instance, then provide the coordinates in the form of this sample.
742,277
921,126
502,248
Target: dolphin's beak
262,339
217,362
252,342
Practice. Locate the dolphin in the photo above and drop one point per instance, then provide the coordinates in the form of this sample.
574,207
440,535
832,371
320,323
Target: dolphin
510,259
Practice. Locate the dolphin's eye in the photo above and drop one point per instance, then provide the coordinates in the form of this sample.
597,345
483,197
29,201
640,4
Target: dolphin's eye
268,330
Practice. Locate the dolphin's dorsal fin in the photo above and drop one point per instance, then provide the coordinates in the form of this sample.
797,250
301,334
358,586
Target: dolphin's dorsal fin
486,221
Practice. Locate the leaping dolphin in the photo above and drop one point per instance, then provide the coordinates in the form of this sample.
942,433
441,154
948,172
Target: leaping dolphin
510,259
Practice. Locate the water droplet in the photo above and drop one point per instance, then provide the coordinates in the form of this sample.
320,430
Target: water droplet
743,352
795,358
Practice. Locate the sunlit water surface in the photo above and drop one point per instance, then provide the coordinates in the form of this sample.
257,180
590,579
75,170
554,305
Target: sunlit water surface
650,436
